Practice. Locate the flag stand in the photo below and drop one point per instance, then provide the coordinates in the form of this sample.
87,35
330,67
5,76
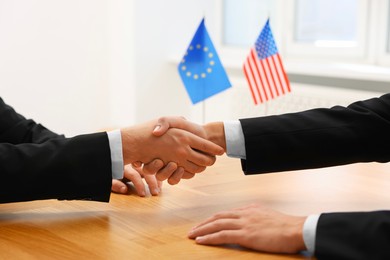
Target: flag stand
204,112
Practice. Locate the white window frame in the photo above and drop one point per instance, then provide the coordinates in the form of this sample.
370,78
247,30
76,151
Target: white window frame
369,61
299,50
230,55
380,55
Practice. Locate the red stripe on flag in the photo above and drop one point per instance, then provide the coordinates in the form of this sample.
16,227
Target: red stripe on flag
253,75
284,73
271,75
256,64
263,78
276,73
266,76
249,82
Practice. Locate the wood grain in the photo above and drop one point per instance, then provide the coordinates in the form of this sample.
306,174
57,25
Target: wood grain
130,227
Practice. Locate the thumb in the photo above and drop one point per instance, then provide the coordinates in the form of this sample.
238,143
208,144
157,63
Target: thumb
119,187
164,123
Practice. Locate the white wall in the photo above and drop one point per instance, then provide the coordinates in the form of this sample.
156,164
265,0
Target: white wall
53,62
82,65
164,30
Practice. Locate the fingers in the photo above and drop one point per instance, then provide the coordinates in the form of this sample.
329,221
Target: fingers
152,167
176,176
166,172
221,237
205,146
135,177
192,167
201,159
221,215
164,123
222,228
188,175
119,187
152,184
214,227
173,174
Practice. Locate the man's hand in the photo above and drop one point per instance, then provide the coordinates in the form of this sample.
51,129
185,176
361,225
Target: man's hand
186,149
212,131
136,174
254,227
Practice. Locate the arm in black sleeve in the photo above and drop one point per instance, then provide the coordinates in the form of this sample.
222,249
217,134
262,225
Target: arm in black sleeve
36,163
319,137
60,168
357,235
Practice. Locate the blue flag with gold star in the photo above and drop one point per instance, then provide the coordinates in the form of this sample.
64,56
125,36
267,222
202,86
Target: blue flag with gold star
200,69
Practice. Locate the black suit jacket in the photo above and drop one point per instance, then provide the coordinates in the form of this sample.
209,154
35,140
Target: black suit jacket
36,163
328,137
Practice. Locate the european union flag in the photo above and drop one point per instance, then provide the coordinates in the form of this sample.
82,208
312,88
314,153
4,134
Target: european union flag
200,69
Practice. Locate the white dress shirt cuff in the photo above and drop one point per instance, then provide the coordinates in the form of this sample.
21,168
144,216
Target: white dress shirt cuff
235,141
115,141
309,232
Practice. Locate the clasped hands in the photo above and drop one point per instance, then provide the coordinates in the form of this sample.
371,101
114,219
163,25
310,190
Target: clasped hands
170,148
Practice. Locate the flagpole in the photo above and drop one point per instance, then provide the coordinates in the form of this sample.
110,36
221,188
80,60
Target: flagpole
204,112
204,89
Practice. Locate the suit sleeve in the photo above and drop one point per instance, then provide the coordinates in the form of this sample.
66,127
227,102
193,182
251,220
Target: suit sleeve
358,235
36,163
318,138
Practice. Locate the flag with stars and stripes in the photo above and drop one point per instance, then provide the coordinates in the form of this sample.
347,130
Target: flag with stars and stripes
200,69
263,69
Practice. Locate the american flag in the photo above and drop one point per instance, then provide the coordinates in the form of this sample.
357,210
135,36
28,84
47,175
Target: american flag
263,69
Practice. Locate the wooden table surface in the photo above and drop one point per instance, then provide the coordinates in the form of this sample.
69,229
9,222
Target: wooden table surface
130,227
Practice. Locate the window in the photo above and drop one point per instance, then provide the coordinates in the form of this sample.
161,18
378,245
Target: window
327,29
243,20
326,23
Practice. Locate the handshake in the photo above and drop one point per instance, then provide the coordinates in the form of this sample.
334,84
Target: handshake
172,148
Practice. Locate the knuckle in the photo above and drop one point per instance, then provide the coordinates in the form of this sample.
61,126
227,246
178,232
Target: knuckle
161,177
212,159
173,181
208,160
201,169
182,153
162,119
188,175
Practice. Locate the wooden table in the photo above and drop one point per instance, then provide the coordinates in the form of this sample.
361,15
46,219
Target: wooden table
130,227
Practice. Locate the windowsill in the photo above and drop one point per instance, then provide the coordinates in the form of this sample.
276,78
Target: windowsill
340,70
353,76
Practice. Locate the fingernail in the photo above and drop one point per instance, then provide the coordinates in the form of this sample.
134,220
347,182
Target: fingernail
156,191
137,164
199,239
156,128
123,190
